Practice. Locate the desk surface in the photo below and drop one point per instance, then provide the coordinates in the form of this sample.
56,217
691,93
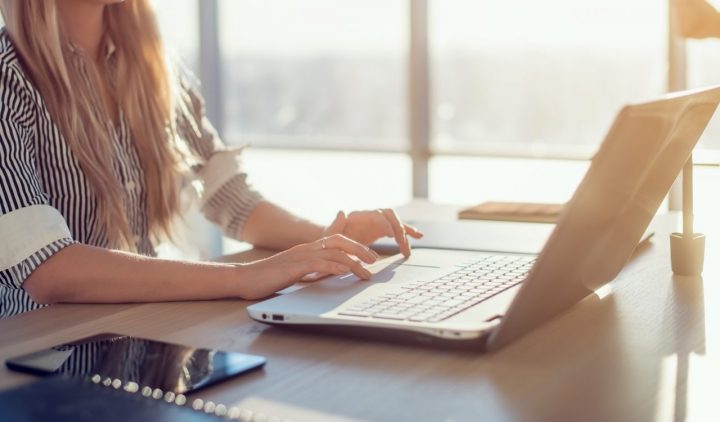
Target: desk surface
647,350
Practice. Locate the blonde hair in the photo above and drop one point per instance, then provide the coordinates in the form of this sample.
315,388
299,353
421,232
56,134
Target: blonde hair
145,95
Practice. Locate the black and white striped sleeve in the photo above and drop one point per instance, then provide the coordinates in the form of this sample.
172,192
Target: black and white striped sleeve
30,229
227,198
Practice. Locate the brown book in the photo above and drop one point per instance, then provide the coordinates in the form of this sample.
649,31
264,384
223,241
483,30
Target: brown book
513,211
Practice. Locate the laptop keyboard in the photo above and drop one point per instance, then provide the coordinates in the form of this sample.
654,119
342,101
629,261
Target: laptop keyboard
437,300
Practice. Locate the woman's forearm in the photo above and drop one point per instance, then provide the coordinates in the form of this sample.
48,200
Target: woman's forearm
86,274
270,226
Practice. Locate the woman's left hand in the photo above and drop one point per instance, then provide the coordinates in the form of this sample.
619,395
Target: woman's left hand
368,226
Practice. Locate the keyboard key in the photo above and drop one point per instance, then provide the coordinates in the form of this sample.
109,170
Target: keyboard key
417,300
453,302
474,301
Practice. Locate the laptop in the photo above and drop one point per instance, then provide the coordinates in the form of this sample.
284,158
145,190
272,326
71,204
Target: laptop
489,300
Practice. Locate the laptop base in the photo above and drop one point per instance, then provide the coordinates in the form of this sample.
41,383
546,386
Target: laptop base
387,335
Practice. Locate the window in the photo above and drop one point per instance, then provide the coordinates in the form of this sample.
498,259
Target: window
495,64
703,69
333,75
318,74
174,14
315,73
194,237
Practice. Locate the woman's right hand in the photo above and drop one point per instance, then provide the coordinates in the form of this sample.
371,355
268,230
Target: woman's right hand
329,255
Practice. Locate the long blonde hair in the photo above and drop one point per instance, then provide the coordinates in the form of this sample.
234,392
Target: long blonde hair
145,95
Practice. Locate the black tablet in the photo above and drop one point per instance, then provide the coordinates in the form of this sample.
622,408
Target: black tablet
147,363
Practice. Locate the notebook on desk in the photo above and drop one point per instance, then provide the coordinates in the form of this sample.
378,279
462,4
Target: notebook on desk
528,212
488,300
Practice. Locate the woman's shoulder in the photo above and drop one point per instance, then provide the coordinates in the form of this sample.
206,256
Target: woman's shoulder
8,53
12,76
17,95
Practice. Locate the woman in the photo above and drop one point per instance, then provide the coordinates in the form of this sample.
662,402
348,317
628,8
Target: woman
96,134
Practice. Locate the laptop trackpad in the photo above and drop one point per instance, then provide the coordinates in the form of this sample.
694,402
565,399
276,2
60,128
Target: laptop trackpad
325,295
403,273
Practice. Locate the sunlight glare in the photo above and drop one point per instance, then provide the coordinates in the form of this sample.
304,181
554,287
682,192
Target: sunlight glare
665,397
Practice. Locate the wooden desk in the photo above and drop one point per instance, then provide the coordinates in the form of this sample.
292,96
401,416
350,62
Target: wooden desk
646,351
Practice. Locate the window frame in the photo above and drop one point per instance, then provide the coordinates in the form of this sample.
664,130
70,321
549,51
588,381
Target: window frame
418,95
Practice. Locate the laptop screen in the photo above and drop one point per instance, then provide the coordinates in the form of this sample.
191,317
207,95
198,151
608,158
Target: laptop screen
601,225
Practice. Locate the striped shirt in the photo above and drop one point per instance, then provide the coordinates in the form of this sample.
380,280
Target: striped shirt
47,203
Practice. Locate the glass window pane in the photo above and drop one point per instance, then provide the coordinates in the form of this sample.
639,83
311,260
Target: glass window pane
537,76
703,69
174,14
315,73
472,180
193,235
706,205
316,184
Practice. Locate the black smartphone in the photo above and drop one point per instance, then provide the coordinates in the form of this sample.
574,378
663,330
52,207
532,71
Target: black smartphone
151,363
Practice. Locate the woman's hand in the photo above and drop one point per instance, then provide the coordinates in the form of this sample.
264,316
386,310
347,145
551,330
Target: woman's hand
368,226
328,255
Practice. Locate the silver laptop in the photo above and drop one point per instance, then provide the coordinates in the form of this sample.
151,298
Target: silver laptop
492,299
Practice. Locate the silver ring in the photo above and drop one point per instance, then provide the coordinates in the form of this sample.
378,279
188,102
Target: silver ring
322,243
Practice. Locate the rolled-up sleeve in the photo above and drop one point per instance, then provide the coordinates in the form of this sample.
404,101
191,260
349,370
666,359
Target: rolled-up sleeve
227,198
31,230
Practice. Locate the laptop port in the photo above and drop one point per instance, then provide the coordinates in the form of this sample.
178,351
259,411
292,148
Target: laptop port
278,318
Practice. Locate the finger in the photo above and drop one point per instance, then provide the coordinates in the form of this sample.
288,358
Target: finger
387,229
344,259
347,245
338,225
398,231
413,231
